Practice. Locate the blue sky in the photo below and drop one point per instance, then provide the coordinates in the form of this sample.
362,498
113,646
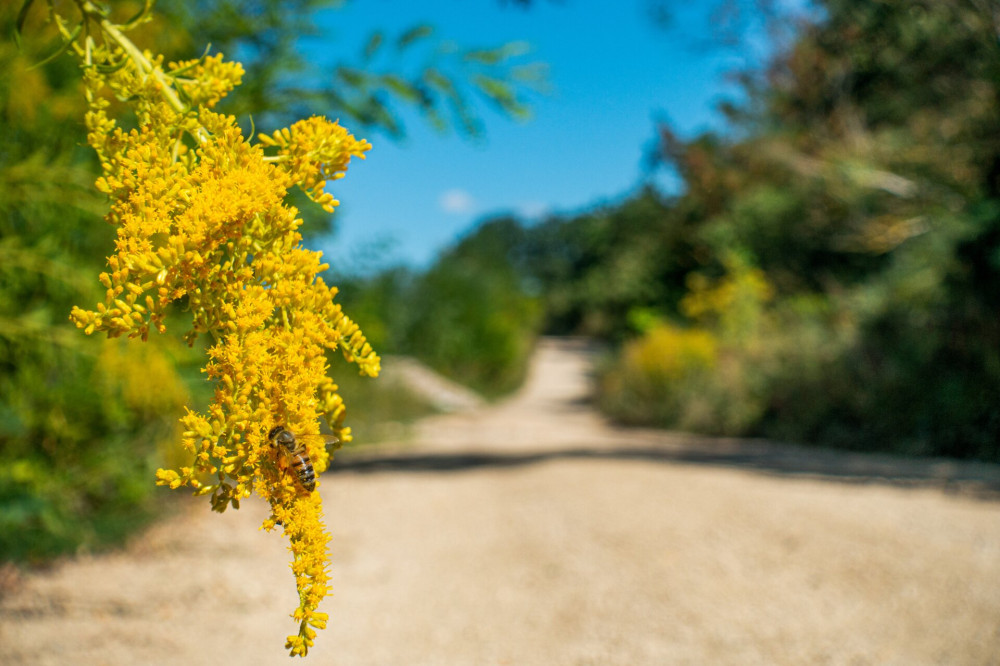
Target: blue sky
612,73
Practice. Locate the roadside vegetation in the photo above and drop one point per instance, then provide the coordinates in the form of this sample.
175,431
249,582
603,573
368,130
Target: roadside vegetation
829,273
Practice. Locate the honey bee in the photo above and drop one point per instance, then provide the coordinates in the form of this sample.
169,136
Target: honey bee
293,447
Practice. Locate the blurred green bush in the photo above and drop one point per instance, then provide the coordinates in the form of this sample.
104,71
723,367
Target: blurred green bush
470,316
381,410
81,421
704,378
848,238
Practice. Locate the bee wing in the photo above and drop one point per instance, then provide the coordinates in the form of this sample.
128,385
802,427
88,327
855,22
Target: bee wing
327,440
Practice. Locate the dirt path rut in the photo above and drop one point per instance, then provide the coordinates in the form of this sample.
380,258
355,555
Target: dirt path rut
533,533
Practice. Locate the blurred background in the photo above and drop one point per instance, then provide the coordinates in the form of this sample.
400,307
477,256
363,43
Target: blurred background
781,217
779,220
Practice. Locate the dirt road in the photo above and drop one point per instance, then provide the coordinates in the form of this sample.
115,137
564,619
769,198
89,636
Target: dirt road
533,533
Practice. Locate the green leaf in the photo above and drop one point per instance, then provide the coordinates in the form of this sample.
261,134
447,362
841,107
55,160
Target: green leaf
22,16
437,80
101,9
140,16
414,35
62,49
499,54
502,94
495,89
379,114
401,87
107,68
374,42
535,75
435,118
352,77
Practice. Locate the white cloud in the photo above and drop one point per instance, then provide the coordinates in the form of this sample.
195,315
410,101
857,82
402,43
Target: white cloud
457,201
533,210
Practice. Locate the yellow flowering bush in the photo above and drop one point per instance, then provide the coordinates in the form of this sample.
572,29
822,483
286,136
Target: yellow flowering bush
732,304
202,223
649,382
709,377
667,354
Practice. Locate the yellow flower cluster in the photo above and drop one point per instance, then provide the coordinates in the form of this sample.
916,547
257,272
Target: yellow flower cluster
666,354
202,224
733,304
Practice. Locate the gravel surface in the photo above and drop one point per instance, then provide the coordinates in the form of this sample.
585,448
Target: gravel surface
532,532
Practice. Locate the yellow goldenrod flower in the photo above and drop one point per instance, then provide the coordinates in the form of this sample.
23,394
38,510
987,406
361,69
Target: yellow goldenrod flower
202,221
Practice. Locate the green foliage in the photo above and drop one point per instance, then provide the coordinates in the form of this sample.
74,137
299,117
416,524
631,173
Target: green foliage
473,322
470,316
79,422
381,409
592,270
709,378
648,381
382,305
288,76
863,189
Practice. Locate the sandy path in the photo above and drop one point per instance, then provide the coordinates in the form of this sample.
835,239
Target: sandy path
533,533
